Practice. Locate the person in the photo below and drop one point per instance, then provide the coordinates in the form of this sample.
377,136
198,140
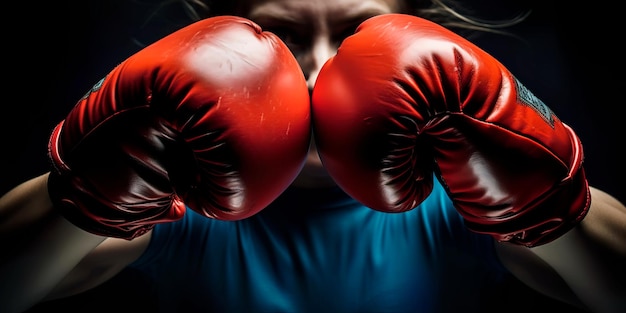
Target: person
363,220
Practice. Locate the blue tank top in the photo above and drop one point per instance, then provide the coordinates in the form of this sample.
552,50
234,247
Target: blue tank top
313,251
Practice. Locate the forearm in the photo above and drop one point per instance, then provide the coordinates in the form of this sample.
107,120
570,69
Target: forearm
591,257
39,246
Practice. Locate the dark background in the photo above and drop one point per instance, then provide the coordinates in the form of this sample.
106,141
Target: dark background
572,60
570,57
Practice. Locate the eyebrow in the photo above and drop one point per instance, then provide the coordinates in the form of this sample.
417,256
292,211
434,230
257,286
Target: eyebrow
368,8
272,11
277,12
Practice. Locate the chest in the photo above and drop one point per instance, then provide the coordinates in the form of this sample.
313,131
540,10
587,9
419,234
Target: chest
372,263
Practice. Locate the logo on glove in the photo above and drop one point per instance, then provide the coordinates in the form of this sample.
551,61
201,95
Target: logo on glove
528,98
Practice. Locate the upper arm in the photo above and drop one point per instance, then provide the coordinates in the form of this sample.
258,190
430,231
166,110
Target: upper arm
105,261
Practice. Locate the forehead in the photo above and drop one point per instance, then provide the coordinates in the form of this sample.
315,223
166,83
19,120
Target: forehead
329,8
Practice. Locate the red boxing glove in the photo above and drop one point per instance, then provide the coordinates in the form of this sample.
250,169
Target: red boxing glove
404,98
215,116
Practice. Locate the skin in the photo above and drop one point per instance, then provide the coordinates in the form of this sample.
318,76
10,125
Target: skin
51,258
313,30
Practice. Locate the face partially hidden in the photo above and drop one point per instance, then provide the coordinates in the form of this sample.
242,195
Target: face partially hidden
313,30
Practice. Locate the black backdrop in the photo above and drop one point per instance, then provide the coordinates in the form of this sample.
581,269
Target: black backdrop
570,58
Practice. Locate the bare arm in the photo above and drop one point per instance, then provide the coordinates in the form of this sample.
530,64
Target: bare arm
105,261
39,246
586,265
